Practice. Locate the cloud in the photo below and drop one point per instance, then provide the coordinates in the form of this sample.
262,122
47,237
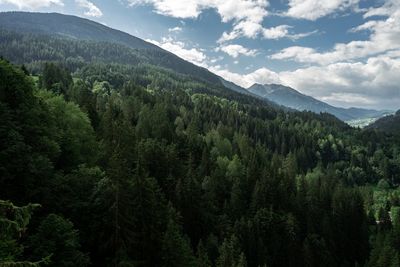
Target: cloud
384,36
32,4
175,29
193,55
348,99
282,31
374,83
228,9
246,15
235,50
389,7
276,32
92,10
174,8
377,78
315,9
262,75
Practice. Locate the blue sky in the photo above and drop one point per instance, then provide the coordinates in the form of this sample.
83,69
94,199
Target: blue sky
344,52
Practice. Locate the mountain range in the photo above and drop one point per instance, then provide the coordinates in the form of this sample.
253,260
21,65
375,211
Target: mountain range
289,97
74,28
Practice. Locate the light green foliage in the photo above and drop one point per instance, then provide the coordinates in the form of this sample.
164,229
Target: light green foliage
73,132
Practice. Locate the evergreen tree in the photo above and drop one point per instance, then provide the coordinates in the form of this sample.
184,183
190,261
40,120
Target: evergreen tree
176,249
56,237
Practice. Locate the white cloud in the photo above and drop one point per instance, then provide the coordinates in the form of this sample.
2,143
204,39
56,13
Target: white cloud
276,32
175,29
228,9
235,50
384,36
315,9
374,83
342,75
173,8
262,75
193,55
347,99
92,10
32,4
389,7
282,31
246,15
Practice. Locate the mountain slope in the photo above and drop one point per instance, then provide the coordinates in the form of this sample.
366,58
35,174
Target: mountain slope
70,27
109,61
235,87
80,40
76,28
289,97
389,124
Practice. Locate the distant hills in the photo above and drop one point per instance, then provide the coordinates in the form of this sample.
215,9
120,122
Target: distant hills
389,124
76,28
289,97
69,27
128,49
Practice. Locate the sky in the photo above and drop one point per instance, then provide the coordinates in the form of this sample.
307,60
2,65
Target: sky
343,52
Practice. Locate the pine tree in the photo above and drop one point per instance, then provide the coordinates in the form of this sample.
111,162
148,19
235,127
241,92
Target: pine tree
230,254
176,250
13,225
56,237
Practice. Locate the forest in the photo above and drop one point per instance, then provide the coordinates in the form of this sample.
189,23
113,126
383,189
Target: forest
115,160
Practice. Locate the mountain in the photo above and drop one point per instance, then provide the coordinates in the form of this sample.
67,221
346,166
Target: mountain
76,28
235,87
389,124
138,158
71,42
289,97
78,40
70,27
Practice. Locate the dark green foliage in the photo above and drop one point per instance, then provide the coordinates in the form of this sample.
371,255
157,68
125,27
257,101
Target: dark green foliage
26,139
157,168
56,236
230,254
55,78
13,225
176,250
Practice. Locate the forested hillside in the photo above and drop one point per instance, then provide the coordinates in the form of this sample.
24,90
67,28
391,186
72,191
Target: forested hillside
108,158
389,124
138,172
99,43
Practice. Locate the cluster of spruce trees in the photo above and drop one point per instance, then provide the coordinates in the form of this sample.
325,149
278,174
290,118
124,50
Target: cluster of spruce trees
141,166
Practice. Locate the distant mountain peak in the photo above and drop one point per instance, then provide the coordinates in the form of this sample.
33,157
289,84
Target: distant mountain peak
289,97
